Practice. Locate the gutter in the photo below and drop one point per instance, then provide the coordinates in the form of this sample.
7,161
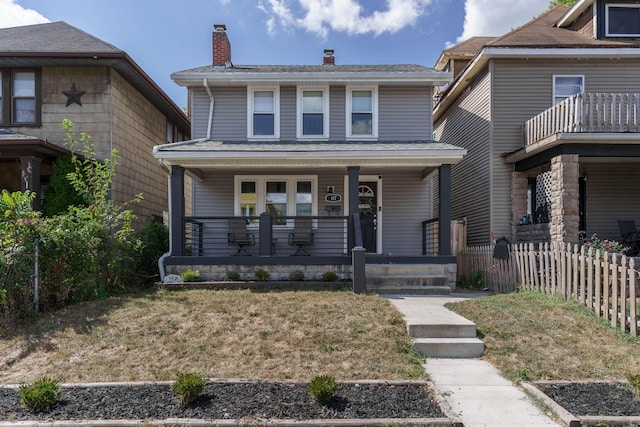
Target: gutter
211,104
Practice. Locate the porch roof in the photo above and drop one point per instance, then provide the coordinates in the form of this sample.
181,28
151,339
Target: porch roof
208,153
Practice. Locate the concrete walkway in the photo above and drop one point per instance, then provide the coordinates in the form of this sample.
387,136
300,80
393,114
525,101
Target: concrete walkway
473,389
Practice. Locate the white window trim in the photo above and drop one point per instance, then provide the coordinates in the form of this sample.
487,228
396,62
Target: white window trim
553,83
261,196
606,19
276,113
374,107
325,112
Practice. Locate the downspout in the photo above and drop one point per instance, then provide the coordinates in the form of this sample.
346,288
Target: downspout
211,104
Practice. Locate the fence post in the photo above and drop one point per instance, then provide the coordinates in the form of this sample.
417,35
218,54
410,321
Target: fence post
633,313
36,277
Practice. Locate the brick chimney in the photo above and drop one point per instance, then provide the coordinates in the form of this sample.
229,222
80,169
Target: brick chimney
328,59
221,46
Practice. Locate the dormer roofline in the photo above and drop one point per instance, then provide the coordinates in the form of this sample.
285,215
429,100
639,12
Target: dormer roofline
572,14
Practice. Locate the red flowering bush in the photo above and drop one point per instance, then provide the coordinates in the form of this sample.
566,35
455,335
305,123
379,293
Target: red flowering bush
610,246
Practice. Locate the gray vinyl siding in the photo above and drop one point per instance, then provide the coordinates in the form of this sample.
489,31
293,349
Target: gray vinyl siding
405,199
467,123
404,113
608,197
229,114
288,116
337,105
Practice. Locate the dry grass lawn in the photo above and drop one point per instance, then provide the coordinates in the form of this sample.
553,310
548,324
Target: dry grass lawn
217,334
533,336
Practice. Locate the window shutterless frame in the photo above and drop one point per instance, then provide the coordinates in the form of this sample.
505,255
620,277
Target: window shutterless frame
312,112
565,86
622,20
361,120
263,112
20,97
288,195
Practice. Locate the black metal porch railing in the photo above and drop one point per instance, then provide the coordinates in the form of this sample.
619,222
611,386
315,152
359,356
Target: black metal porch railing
211,236
430,230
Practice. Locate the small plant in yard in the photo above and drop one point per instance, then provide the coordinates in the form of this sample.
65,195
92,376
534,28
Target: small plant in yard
329,276
190,275
474,281
232,276
262,275
610,246
322,388
189,387
634,381
40,395
296,276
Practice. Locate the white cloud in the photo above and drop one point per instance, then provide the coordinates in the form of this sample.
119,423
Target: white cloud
14,15
497,17
347,16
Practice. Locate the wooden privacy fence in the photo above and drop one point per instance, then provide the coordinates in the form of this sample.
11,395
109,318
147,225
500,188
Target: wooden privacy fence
606,283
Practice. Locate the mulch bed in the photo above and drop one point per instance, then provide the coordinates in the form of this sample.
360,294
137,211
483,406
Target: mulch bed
594,398
229,400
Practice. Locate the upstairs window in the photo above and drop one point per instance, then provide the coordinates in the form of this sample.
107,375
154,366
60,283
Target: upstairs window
264,113
313,112
622,20
566,86
19,103
362,106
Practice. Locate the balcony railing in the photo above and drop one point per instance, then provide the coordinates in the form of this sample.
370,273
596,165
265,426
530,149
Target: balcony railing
589,112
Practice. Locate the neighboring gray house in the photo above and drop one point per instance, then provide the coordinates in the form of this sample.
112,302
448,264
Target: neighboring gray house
549,115
274,143
53,71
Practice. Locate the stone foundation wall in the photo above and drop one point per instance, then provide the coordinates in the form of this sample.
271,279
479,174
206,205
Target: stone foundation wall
532,233
277,272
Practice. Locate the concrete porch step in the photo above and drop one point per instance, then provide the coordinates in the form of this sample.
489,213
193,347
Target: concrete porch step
442,330
454,348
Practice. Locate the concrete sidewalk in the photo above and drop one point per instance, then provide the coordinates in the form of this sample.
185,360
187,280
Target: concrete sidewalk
472,388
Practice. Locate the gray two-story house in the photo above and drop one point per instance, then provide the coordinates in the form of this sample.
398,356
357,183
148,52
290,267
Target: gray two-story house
549,115
298,164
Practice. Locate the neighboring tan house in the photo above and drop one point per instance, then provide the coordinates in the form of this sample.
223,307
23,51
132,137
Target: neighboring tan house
53,71
550,116
274,144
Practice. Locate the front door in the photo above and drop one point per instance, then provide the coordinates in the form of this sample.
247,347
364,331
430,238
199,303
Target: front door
368,205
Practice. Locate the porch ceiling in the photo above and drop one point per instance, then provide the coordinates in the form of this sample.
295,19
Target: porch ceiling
217,154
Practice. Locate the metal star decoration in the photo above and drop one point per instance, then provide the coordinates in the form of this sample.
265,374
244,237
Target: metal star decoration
73,95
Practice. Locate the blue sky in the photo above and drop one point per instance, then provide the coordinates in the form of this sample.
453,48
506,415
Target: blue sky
165,36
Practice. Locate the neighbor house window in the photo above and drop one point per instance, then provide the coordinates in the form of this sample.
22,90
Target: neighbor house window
566,86
19,101
280,197
313,112
362,106
622,20
264,113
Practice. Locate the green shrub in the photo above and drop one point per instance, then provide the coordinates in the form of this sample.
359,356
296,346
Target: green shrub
296,276
60,193
634,380
40,395
147,245
262,275
322,388
330,276
190,275
474,281
232,276
189,387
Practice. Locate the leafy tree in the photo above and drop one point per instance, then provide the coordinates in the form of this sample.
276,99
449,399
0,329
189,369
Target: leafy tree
567,3
60,193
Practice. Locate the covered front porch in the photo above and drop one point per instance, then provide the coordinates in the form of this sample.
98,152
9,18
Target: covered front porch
339,210
577,174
